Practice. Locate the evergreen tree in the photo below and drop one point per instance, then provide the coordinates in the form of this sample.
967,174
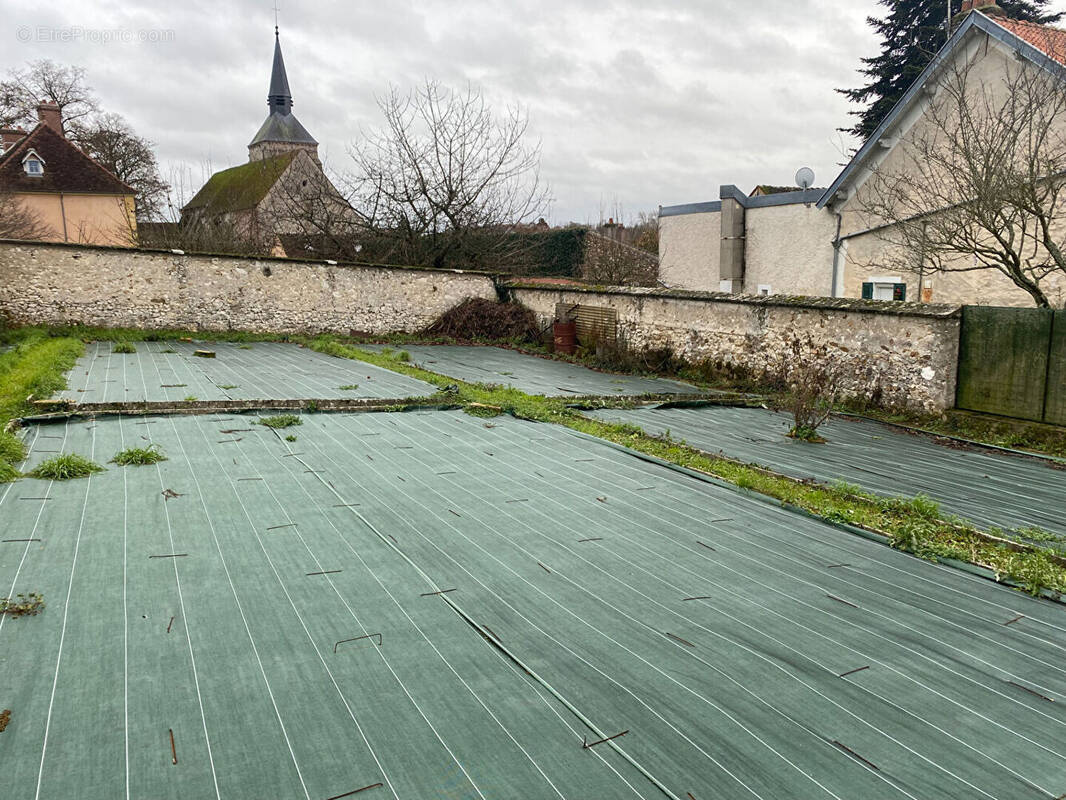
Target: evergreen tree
912,32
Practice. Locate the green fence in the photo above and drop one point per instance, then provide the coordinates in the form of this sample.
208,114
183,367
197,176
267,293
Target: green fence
1012,361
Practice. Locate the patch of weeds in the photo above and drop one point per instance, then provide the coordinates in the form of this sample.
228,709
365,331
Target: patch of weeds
8,472
806,433
290,438
168,351
244,347
227,386
190,398
280,421
65,467
348,387
1033,534
139,456
123,347
312,406
403,355
483,411
22,605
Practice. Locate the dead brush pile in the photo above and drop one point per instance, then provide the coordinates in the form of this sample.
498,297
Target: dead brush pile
477,318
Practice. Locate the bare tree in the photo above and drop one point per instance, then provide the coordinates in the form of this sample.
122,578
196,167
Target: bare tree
613,262
110,140
446,180
18,221
981,179
44,79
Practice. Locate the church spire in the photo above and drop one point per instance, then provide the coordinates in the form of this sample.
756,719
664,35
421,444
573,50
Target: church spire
281,132
280,98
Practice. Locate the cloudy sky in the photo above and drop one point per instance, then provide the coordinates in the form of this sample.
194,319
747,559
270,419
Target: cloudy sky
636,104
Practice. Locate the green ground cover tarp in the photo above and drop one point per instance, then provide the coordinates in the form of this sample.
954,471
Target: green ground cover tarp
532,374
986,487
161,371
748,651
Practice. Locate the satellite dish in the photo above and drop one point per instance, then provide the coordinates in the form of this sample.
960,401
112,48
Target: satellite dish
805,178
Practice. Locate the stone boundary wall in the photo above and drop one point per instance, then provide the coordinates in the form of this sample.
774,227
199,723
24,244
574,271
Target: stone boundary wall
61,284
911,349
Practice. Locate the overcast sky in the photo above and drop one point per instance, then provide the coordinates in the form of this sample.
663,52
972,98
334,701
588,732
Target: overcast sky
637,104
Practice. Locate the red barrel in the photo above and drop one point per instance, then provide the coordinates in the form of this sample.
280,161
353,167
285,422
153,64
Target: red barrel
565,334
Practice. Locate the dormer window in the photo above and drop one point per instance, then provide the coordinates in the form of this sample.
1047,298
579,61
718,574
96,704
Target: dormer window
33,164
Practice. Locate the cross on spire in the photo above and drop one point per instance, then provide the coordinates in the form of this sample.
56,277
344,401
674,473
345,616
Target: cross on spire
276,10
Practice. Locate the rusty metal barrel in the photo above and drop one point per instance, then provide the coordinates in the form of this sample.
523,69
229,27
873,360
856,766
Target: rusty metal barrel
565,334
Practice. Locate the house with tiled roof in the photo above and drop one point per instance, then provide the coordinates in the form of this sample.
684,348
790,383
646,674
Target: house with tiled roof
281,191
73,197
828,242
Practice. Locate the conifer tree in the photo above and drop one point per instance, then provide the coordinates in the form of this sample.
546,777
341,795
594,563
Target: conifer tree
911,33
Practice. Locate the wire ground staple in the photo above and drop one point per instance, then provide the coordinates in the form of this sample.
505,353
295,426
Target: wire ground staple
170,555
325,572
839,600
593,539
355,791
853,671
21,540
855,755
279,527
357,638
1018,618
431,594
1031,691
173,748
678,639
586,744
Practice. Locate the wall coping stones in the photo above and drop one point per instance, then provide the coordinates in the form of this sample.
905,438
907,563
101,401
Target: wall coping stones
78,246
892,308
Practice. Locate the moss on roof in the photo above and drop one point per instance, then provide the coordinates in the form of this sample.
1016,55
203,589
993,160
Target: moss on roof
240,187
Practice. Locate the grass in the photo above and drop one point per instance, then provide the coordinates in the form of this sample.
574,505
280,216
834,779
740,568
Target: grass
34,367
290,438
139,456
348,387
228,386
190,398
280,421
123,347
999,431
65,467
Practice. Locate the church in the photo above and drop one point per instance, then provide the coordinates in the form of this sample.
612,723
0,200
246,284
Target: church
281,202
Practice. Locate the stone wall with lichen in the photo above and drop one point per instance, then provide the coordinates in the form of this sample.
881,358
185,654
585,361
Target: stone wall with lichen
60,284
895,354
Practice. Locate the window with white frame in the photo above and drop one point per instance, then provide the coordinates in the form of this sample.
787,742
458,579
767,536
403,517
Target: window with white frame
33,164
884,287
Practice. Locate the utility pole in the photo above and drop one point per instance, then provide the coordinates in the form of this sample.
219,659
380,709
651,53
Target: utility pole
947,22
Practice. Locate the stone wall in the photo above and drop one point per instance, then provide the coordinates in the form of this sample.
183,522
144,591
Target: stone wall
900,354
114,287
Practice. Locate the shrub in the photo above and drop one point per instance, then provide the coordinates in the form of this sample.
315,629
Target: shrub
477,318
65,467
123,347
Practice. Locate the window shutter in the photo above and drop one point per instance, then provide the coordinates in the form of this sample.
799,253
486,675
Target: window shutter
899,291
867,291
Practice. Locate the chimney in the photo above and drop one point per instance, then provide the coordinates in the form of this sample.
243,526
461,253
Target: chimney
984,6
10,137
50,115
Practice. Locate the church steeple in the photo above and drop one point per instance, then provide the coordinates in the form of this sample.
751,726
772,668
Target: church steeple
280,98
281,131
